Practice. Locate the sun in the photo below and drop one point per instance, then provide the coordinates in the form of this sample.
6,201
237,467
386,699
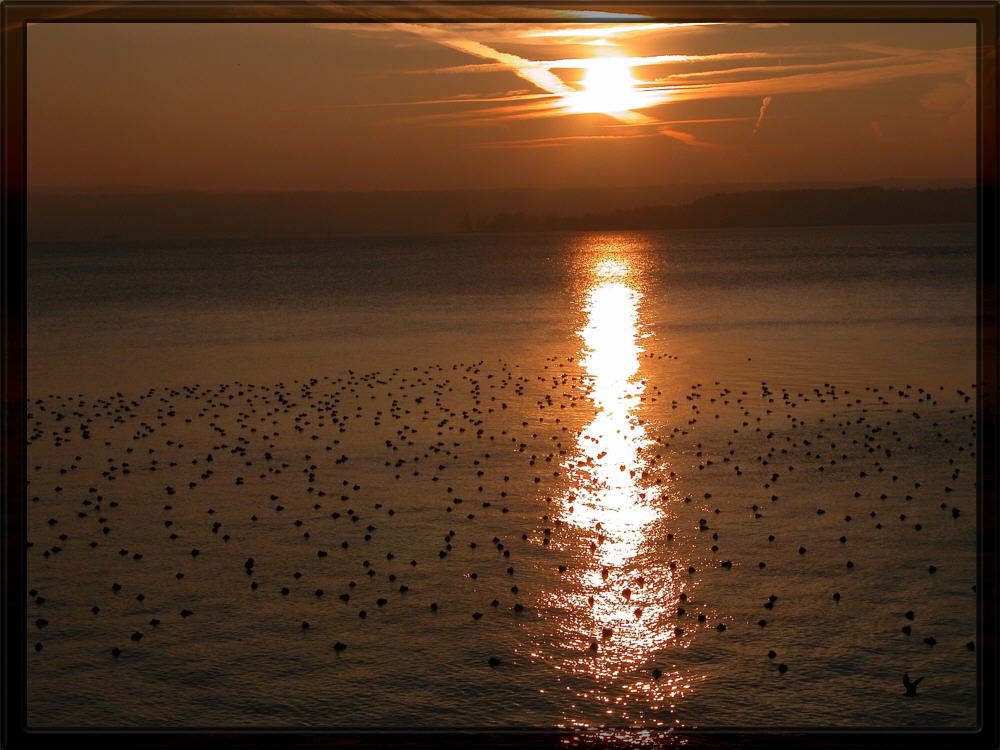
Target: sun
608,88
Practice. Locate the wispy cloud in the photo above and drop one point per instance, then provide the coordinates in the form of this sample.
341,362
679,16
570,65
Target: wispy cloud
563,140
657,128
760,117
507,97
668,77
537,72
577,63
817,82
687,138
639,62
526,69
578,34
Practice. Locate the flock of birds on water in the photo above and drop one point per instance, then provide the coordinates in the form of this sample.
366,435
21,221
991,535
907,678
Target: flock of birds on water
95,465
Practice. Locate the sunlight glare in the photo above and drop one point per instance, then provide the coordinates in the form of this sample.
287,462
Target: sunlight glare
619,605
608,88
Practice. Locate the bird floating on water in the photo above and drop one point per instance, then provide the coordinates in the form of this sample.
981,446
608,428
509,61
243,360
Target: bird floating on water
911,687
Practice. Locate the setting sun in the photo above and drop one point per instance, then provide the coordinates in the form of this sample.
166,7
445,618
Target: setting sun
608,87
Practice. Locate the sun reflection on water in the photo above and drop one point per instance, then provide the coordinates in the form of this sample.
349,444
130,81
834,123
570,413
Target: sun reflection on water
621,606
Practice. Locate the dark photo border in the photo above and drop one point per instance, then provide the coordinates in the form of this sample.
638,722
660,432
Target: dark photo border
18,14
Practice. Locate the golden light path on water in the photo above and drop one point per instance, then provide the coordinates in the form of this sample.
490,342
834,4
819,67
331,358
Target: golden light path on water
621,600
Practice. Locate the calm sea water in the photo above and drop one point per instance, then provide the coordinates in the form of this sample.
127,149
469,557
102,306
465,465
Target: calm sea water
615,448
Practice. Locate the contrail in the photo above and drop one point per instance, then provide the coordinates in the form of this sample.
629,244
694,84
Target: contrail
763,108
529,70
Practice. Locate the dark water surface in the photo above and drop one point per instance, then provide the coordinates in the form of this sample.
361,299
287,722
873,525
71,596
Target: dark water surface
817,303
614,447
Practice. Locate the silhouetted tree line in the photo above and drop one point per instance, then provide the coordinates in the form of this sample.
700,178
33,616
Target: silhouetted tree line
859,206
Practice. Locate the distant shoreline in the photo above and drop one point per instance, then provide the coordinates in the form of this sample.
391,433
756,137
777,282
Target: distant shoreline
150,216
769,208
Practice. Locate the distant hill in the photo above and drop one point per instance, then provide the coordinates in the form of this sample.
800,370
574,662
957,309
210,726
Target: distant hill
147,215
765,208
150,214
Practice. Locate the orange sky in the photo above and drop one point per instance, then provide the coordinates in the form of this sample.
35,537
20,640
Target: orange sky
296,106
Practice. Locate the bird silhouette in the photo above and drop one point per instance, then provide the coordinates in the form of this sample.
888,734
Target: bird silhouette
911,687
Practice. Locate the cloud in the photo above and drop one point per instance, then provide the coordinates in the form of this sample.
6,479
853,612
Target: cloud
543,106
563,140
509,97
947,96
781,68
526,69
718,75
657,128
763,108
686,138
955,101
592,31
537,72
639,62
576,63
816,82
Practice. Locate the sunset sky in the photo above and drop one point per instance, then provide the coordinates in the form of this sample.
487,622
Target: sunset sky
298,106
